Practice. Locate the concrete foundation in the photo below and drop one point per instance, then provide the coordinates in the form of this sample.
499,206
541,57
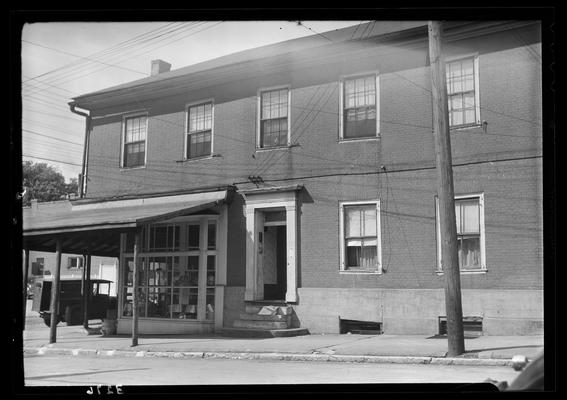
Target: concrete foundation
407,311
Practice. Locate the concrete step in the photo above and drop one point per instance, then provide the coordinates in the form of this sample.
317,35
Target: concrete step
258,317
260,324
281,308
263,333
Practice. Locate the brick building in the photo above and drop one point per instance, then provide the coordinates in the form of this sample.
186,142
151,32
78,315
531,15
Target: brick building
303,174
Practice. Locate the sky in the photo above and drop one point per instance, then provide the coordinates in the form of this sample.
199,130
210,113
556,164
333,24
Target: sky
63,60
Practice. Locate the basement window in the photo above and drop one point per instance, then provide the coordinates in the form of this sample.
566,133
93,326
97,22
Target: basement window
359,327
472,326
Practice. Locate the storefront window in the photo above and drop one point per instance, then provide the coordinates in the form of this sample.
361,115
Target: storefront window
171,262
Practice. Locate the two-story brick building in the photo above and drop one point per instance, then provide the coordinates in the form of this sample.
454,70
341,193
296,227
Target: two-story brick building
303,173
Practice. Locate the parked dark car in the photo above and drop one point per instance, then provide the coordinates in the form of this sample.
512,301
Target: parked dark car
70,300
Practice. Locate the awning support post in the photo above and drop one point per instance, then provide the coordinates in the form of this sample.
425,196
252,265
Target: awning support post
86,281
55,287
135,288
26,271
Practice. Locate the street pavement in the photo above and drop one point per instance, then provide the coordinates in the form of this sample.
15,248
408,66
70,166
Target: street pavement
408,349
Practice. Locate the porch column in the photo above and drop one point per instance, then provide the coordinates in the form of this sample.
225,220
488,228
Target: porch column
135,289
250,293
292,246
55,287
220,283
87,290
26,271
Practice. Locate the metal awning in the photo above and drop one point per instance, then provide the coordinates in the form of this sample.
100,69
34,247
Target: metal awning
95,227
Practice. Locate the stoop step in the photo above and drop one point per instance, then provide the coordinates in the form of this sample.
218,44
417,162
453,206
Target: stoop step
251,324
258,317
263,333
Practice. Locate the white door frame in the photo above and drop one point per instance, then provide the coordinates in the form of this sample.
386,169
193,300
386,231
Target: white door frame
258,201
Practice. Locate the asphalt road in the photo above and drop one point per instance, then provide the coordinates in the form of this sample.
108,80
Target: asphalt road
43,370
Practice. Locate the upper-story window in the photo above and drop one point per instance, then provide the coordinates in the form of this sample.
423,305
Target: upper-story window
462,92
135,131
199,130
274,118
359,111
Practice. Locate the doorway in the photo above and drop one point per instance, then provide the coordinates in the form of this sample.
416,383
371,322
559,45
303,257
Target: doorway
274,262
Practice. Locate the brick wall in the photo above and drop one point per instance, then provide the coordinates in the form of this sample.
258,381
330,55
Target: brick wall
510,96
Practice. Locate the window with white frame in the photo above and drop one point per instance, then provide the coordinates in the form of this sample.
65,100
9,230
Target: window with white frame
360,236
469,216
75,262
199,130
359,111
135,130
177,270
274,118
462,92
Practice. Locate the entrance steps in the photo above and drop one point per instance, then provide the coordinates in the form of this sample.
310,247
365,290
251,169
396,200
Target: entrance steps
265,319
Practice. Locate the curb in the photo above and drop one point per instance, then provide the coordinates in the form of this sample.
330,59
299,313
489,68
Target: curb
271,356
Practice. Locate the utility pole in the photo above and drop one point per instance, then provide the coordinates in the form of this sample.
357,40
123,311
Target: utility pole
445,193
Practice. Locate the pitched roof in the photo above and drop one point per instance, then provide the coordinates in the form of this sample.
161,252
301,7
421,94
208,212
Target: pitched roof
308,43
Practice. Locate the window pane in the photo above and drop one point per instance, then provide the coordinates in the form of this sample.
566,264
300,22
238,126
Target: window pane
159,300
353,223
211,270
199,144
193,237
274,132
368,257
469,252
184,304
212,236
457,118
369,221
470,212
210,299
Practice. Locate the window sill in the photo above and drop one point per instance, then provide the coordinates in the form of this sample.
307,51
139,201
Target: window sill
363,272
207,157
465,127
467,272
132,168
355,140
286,147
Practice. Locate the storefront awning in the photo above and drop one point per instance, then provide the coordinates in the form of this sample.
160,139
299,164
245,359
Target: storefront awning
95,227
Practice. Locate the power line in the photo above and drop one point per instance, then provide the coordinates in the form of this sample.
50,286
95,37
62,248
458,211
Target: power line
85,58
51,137
49,159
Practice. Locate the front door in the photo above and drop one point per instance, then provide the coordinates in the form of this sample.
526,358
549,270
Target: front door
274,262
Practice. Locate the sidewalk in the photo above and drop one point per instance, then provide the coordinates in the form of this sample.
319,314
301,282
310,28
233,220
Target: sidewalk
483,350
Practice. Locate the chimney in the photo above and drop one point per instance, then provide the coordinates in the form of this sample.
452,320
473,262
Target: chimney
159,66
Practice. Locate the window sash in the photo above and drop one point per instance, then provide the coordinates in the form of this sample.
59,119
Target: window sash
199,144
359,107
469,219
274,118
461,79
360,237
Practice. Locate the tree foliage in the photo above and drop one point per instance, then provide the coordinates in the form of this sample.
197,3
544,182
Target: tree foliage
43,182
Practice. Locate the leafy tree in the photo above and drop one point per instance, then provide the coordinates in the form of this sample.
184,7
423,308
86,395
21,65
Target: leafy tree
45,183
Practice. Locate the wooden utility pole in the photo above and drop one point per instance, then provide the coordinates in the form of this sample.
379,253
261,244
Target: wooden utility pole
55,287
26,271
135,289
445,193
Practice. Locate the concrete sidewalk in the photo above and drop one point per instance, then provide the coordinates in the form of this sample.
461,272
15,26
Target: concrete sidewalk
483,350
